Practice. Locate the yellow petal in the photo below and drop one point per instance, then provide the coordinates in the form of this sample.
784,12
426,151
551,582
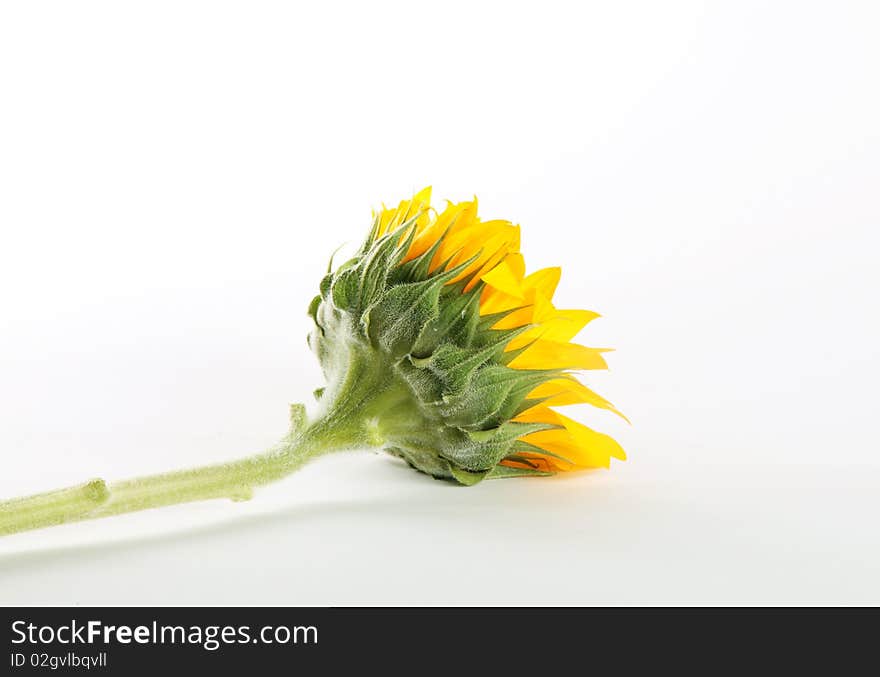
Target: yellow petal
562,442
389,219
596,442
515,318
489,264
552,324
503,278
512,259
419,205
494,301
535,308
562,391
543,354
540,414
581,445
459,233
544,281
491,242
517,264
434,230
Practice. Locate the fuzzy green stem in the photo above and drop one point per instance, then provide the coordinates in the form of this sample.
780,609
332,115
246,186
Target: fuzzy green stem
234,480
361,403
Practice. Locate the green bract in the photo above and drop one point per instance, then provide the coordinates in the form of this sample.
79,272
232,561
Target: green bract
405,348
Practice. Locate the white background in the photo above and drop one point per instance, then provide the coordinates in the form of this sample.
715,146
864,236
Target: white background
174,176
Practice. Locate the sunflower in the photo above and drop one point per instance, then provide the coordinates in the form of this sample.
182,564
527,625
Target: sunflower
481,264
436,346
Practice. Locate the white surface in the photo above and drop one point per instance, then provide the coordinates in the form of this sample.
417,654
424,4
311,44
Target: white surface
175,176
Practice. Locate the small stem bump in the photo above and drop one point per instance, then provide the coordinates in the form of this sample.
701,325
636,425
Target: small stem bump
52,507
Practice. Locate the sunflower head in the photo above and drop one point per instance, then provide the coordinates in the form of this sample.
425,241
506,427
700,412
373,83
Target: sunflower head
451,355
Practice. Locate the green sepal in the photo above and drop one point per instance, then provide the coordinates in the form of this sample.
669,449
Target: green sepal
371,236
508,432
480,450
313,311
505,471
395,322
424,385
486,322
419,267
455,365
521,446
397,319
492,394
468,477
424,461
324,287
526,404
377,264
456,321
498,337
344,290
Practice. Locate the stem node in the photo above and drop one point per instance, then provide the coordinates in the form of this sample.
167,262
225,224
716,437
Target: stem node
235,480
